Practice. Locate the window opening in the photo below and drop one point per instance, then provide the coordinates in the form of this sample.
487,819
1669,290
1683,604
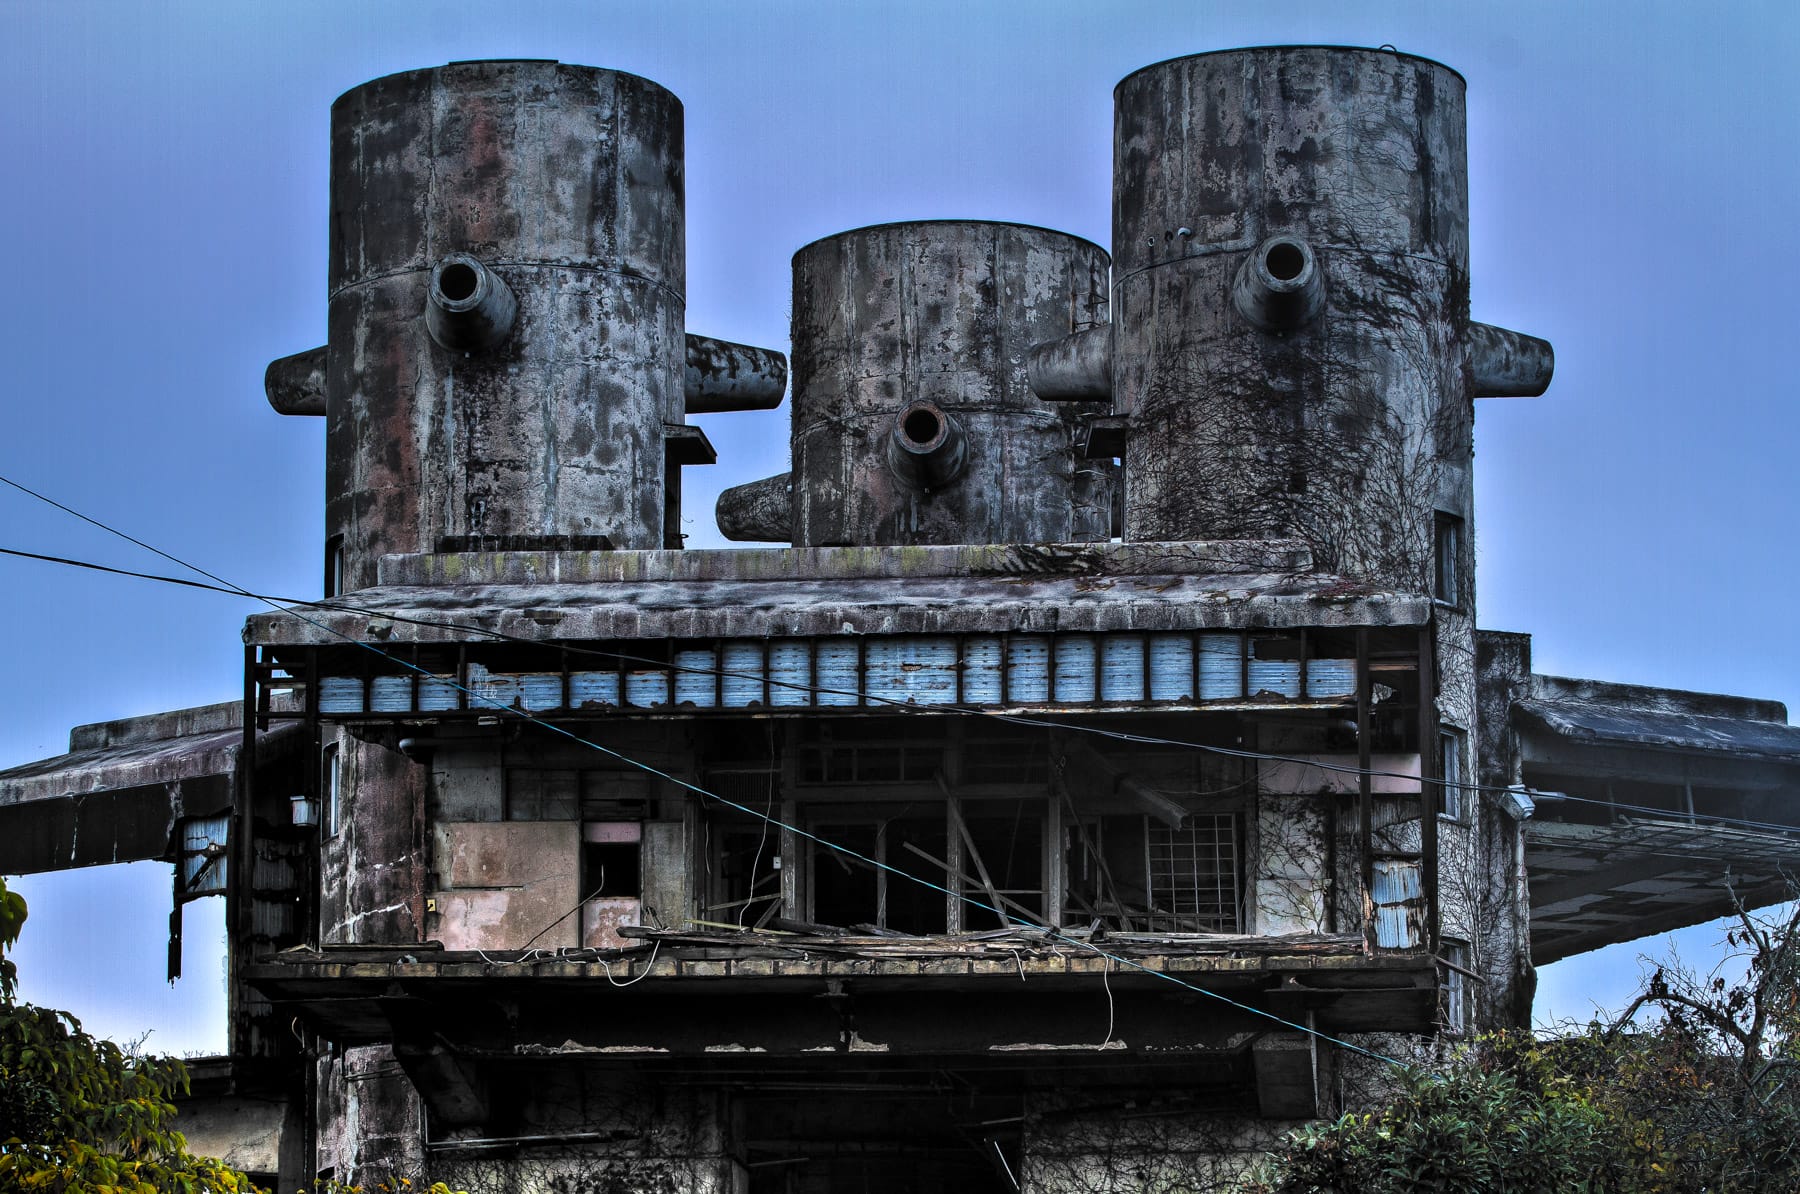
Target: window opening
334,566
611,860
1193,873
1447,552
1456,987
1450,771
331,772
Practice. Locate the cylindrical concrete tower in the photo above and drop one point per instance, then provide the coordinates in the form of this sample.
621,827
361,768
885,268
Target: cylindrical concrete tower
506,311
913,421
1291,344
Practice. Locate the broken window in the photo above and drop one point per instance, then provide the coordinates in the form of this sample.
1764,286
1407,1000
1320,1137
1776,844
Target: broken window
849,889
906,752
1455,991
1002,859
331,778
1446,585
1450,771
1193,870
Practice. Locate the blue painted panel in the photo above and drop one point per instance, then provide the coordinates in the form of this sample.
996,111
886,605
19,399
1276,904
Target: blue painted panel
1279,676
593,688
1122,667
981,670
1171,667
340,694
1221,667
391,694
539,691
695,683
912,668
838,681
1076,672
201,874
742,683
492,690
1331,677
646,687
790,665
438,693
1028,668
1399,898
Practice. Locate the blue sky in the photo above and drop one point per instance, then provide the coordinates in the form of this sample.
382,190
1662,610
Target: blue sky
1633,176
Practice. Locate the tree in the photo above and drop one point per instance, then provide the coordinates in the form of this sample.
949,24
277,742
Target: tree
80,1115
1705,1097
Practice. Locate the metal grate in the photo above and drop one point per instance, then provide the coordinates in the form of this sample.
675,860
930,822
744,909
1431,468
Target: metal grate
1194,874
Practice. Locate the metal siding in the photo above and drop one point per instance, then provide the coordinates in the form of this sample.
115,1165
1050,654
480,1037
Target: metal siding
839,682
742,684
981,670
593,688
1399,900
391,694
1171,667
790,670
695,683
340,694
1221,667
1076,670
1330,677
541,691
197,877
646,688
1122,667
1028,668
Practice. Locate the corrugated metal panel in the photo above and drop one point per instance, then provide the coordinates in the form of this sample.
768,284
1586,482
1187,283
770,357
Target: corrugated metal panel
742,683
339,694
492,690
1122,667
1028,669
790,665
1331,677
539,691
593,688
438,693
203,854
920,670
1076,669
981,670
1399,903
1171,667
695,683
839,682
1221,667
1279,676
647,687
1068,669
391,694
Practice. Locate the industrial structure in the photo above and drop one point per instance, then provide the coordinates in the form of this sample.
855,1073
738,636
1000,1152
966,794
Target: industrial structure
1101,772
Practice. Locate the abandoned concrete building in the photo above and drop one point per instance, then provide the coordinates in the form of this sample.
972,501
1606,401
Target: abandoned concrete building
1096,757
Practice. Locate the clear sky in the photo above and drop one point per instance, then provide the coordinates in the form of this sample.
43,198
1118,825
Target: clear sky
1633,179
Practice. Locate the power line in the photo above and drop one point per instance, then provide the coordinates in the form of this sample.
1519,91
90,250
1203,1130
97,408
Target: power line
650,769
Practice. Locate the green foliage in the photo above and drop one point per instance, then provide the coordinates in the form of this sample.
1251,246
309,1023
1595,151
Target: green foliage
1704,1098
80,1116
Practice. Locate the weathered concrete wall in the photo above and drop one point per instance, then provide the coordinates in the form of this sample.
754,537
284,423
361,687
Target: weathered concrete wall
1136,1140
1345,429
372,870
913,420
368,1119
503,885
566,184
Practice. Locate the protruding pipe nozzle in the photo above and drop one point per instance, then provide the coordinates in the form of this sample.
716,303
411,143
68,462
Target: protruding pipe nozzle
1280,286
467,307
927,447
724,376
1076,368
1507,364
296,385
758,512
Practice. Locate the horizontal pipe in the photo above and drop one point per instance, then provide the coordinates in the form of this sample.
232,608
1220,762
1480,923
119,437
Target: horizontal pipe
926,447
467,307
759,512
1279,286
1507,364
1076,368
724,376
296,385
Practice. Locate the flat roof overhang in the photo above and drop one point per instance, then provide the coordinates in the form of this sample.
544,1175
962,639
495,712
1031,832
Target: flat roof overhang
1605,873
764,593
903,1001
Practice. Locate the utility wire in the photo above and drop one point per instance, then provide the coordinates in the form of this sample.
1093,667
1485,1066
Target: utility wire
281,605
1048,932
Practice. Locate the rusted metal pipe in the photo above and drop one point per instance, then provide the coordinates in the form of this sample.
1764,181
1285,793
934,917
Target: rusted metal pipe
1076,368
758,512
1279,287
724,376
1507,364
467,307
926,447
296,384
